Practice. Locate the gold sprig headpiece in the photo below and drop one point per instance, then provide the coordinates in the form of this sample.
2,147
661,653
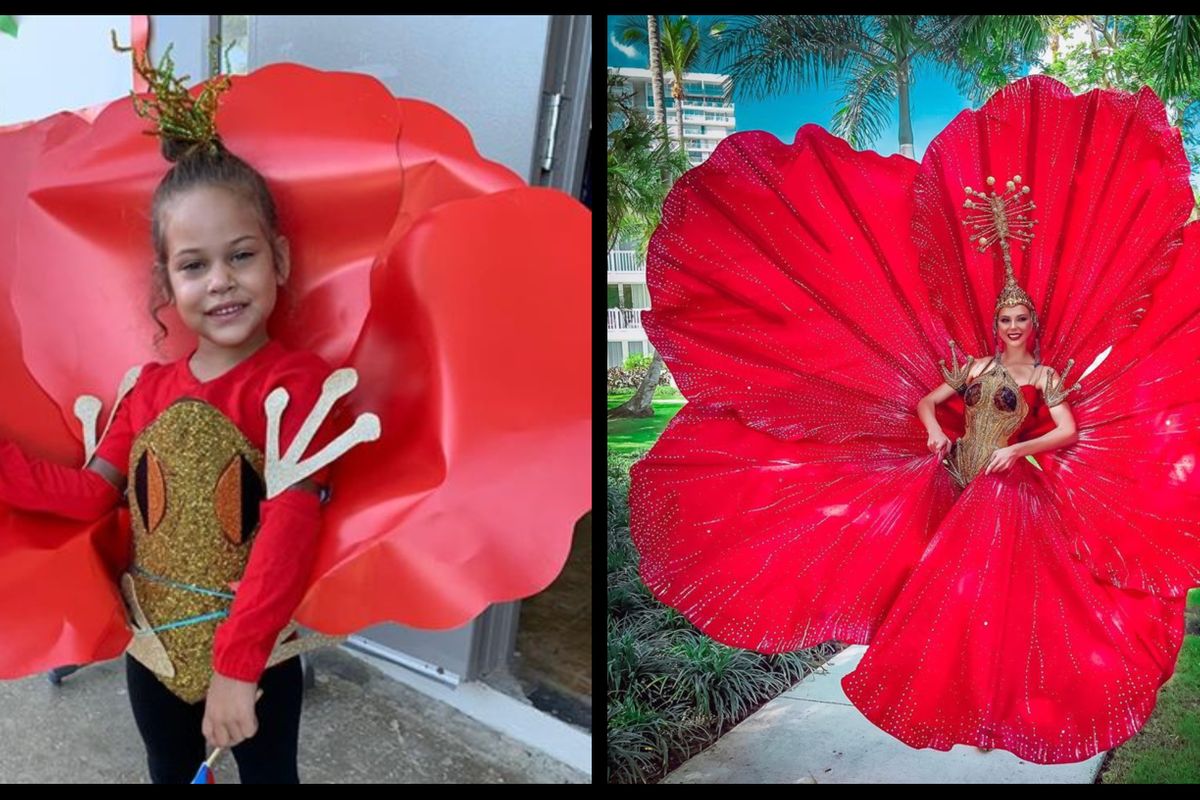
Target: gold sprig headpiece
996,218
177,115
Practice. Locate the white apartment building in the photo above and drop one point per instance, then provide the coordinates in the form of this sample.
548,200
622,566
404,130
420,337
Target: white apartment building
707,119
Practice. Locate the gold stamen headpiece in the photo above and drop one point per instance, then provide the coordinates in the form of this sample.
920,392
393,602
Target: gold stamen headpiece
995,218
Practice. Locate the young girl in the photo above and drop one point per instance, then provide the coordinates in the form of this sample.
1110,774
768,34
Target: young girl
405,230
188,440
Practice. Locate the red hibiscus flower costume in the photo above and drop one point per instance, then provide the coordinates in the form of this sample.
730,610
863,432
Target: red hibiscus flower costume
415,261
803,296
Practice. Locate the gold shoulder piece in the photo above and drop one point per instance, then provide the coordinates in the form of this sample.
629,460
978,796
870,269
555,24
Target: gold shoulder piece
957,375
1054,392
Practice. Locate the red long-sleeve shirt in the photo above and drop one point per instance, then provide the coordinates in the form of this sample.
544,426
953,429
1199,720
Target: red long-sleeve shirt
285,546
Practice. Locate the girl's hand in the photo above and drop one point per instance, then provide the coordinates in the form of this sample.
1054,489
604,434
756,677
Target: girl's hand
1002,460
229,712
938,443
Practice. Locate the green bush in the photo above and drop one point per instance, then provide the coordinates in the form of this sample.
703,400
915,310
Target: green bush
635,361
624,377
672,691
663,392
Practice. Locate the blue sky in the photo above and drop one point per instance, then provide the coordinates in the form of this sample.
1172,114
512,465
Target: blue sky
934,102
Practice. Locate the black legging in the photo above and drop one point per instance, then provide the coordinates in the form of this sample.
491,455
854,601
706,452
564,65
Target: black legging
174,742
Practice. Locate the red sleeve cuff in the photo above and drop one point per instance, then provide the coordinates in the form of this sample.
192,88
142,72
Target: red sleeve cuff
273,584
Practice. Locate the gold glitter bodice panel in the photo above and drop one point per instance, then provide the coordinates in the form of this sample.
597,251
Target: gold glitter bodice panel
195,483
995,407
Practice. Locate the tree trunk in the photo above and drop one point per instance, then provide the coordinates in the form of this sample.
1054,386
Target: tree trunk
656,73
906,134
1091,29
642,402
677,93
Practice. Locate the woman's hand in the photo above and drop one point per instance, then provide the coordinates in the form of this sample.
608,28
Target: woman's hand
1002,459
938,443
229,712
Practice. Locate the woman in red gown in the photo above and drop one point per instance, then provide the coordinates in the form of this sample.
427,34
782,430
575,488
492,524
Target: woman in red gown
1023,590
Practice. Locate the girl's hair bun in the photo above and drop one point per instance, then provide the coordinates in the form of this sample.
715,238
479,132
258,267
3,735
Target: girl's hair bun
176,150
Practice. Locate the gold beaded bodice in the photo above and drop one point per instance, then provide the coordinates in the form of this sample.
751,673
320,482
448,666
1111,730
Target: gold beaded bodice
995,407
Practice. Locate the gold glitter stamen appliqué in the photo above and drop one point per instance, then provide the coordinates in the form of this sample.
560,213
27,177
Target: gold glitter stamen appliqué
193,443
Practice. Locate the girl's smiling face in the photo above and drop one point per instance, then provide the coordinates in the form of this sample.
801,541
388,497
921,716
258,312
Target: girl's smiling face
221,268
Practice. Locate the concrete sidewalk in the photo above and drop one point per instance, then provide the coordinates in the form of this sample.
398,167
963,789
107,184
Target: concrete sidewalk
812,734
360,725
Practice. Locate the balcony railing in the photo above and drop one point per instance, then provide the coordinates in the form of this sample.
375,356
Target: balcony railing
624,318
625,261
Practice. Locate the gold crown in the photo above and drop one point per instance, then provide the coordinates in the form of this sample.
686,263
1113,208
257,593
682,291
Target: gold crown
996,218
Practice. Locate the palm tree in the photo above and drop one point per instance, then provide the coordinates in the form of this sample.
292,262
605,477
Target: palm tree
641,191
640,156
1175,46
639,159
993,51
680,50
873,57
654,53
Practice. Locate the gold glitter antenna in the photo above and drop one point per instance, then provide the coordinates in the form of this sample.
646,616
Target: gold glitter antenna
995,218
178,116
290,469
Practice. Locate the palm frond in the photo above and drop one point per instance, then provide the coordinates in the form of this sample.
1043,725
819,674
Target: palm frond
769,54
642,165
681,43
865,110
1175,46
631,29
901,33
981,54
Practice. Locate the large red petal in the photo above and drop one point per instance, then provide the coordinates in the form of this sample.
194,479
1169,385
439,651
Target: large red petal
473,366
59,602
784,285
773,545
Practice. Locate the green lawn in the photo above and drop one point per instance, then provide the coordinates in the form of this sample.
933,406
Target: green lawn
629,436
1167,749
